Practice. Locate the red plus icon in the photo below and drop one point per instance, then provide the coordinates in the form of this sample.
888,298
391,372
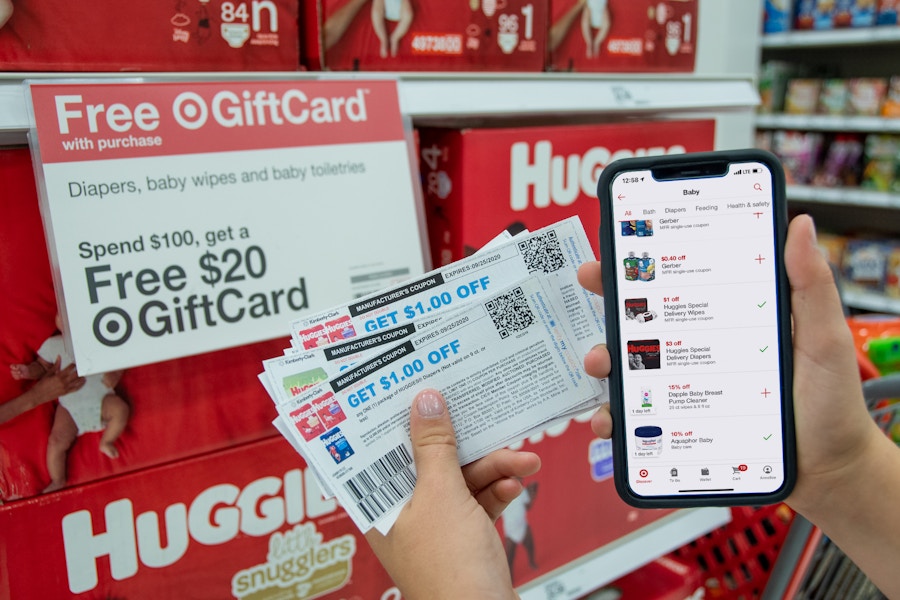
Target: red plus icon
765,392
759,259
758,215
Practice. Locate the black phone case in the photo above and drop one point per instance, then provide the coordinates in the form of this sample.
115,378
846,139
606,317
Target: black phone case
698,160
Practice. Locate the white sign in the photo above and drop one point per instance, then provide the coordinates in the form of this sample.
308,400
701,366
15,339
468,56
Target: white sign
188,217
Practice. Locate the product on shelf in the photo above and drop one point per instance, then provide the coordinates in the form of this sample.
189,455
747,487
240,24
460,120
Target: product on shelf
832,246
764,139
854,13
799,152
840,166
829,14
780,16
777,16
880,163
832,160
866,96
892,271
246,523
834,97
182,35
480,181
861,96
886,13
891,105
814,14
864,264
773,82
629,36
427,35
802,97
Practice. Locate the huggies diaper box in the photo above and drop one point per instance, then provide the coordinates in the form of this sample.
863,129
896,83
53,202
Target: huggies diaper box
427,35
480,181
173,35
623,36
247,523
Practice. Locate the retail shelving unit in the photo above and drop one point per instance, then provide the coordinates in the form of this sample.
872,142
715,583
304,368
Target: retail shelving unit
860,52
832,38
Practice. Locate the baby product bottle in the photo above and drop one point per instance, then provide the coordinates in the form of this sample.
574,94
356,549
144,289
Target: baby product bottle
631,267
646,268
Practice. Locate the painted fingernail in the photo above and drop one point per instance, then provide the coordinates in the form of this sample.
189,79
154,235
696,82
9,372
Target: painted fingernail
430,404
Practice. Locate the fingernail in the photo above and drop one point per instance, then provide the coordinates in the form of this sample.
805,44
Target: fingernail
812,230
429,404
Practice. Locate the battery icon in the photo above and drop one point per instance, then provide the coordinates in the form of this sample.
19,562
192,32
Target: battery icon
756,170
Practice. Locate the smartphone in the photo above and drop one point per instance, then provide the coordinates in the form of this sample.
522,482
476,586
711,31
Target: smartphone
698,327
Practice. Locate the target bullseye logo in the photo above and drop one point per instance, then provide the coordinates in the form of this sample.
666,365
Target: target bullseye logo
112,327
644,473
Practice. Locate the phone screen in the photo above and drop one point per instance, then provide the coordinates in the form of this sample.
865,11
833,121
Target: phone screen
702,331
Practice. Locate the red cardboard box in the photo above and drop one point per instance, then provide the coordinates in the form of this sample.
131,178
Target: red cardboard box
430,35
623,36
178,35
249,522
480,181
179,408
662,579
571,508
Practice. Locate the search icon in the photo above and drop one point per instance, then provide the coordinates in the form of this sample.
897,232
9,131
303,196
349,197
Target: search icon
757,187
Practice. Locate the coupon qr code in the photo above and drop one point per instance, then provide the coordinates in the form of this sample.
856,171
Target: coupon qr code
510,312
383,484
543,253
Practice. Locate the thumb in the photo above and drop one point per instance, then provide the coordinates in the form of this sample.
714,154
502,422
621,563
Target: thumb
816,304
433,439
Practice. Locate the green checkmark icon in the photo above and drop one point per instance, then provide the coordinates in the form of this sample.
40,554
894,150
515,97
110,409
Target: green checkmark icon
763,349
765,437
761,305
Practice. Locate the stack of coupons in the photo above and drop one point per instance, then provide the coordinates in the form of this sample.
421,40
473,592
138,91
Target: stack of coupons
501,334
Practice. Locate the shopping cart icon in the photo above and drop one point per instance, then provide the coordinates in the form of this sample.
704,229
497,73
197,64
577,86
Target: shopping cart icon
735,470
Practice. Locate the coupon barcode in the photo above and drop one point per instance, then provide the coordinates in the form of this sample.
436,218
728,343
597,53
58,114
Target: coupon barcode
383,484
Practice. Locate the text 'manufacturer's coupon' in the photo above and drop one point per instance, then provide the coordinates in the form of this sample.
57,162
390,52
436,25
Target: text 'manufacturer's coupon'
188,217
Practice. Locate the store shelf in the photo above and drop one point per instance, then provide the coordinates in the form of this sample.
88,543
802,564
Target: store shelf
829,123
614,560
469,95
843,196
552,93
861,36
870,301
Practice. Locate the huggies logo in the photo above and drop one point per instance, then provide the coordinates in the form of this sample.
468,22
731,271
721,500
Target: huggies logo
216,516
537,175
